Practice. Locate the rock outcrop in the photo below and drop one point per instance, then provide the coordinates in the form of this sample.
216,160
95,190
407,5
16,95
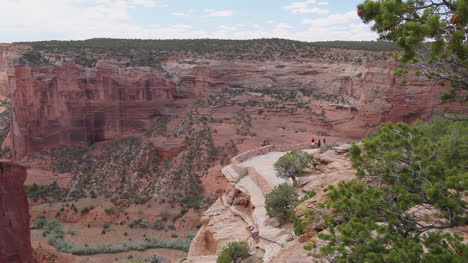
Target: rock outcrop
253,177
8,53
15,241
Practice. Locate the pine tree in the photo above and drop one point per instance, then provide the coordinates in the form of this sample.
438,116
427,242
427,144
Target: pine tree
432,34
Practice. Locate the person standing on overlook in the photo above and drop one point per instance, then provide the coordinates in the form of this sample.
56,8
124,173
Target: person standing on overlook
312,142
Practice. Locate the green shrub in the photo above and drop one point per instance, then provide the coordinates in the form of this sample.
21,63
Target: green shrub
292,165
56,238
86,62
39,223
109,211
71,231
413,166
233,252
140,222
298,226
190,235
280,202
51,192
87,209
158,225
32,58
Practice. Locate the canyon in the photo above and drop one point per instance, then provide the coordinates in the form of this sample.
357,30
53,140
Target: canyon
192,110
68,104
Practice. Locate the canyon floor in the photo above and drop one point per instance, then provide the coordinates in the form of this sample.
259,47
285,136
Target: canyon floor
129,140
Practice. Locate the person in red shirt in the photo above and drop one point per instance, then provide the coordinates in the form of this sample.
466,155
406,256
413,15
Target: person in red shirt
312,142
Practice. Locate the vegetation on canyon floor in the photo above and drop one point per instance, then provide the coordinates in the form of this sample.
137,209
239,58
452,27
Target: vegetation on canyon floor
55,235
131,170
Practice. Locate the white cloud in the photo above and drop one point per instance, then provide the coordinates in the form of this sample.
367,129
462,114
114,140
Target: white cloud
147,3
332,19
27,20
179,14
269,21
228,28
305,8
282,27
219,13
184,13
256,26
342,26
322,3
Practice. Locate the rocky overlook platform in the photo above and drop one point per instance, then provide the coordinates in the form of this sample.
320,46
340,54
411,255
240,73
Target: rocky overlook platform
240,214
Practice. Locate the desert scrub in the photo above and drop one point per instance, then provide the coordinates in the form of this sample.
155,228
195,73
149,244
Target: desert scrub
140,222
50,192
158,127
53,230
98,165
160,225
66,159
279,203
233,252
87,62
244,122
87,209
32,58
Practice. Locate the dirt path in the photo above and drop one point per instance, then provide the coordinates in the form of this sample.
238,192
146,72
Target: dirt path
264,165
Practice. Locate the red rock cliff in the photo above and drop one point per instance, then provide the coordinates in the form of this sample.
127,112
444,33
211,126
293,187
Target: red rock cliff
69,104
7,54
15,241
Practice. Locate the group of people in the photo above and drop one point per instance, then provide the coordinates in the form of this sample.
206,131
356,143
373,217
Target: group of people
319,142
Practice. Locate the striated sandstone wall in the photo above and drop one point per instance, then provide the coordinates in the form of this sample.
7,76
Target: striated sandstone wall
7,54
15,242
69,104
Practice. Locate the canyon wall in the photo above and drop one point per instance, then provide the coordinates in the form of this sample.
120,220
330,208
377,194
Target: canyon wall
71,105
68,104
15,241
8,53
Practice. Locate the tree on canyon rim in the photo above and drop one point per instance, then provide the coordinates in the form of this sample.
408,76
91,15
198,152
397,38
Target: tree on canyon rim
413,180
433,35
292,164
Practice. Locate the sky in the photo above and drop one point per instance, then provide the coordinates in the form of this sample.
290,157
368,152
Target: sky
305,20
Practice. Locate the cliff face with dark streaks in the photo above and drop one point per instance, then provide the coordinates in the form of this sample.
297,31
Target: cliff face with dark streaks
15,241
67,104
70,105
